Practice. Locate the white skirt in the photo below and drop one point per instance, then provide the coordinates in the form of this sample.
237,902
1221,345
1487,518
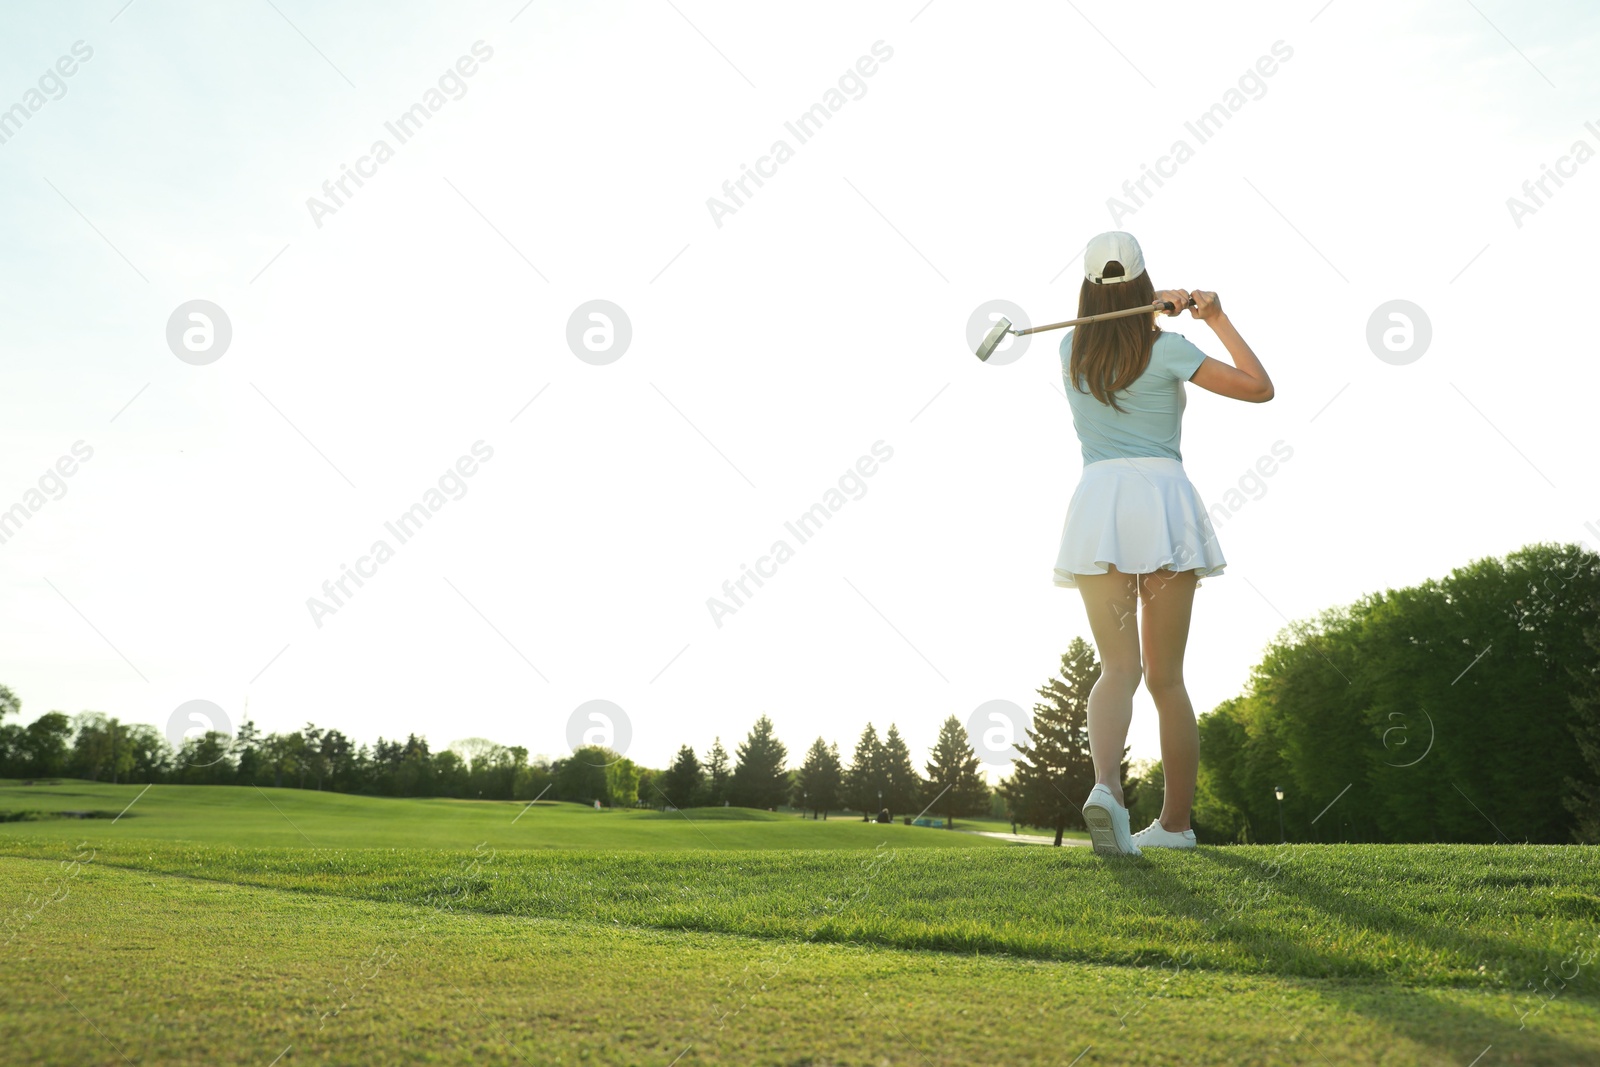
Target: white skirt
1140,513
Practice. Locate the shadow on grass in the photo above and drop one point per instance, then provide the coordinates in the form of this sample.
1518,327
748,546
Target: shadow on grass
1347,982
1363,912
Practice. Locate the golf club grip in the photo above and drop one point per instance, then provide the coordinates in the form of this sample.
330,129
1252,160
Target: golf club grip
1145,309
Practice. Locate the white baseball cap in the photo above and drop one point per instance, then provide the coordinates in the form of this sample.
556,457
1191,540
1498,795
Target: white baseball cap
1113,245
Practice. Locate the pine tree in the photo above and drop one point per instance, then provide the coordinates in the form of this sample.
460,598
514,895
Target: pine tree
1054,771
683,782
901,786
246,747
954,786
863,782
717,775
837,769
817,786
759,779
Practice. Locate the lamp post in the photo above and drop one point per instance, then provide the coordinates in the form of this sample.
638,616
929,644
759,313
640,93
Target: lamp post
803,805
1278,792
880,805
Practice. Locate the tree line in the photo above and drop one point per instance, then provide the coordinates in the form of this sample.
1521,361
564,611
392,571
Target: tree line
881,777
99,747
1462,709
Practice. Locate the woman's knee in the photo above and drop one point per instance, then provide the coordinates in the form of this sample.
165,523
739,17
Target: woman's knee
1122,677
1164,683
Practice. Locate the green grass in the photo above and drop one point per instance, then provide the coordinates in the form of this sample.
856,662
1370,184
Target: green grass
882,951
247,816
1476,916
142,969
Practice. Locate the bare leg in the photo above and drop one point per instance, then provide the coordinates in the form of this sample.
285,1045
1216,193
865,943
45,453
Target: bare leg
1168,602
1111,601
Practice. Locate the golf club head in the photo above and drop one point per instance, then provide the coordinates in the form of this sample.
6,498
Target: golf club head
995,335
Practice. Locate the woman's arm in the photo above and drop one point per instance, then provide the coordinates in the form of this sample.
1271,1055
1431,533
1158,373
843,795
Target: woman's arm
1247,379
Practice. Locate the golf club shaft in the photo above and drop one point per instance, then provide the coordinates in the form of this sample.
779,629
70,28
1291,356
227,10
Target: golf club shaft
1163,306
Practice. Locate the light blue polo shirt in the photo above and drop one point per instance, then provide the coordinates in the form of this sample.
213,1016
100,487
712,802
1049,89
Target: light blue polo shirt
1151,420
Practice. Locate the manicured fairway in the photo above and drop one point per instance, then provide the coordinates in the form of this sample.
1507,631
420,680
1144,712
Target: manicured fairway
244,815
195,952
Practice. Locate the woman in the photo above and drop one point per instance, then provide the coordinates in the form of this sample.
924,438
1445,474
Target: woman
1137,535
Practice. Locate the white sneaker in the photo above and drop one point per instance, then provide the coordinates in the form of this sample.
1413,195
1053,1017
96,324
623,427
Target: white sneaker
1157,836
1108,824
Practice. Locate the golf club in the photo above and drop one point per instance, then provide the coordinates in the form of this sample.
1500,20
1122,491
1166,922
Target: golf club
1003,325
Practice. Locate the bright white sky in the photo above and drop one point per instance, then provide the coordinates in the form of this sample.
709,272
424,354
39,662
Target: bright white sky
768,354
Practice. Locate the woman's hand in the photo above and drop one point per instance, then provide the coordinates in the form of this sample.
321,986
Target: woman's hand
1206,306
1179,298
